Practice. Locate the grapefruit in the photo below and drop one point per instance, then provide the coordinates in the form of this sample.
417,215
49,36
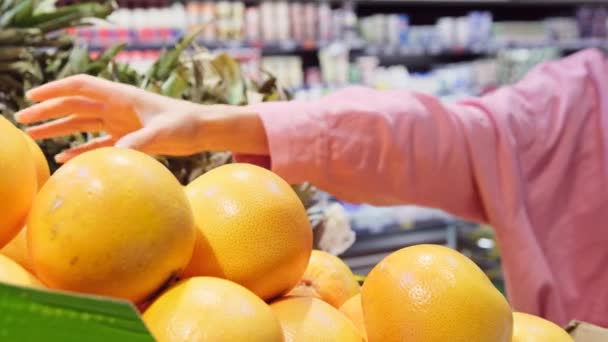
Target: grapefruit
13,273
327,277
353,310
306,319
530,328
203,309
434,294
17,180
43,171
16,249
252,229
111,222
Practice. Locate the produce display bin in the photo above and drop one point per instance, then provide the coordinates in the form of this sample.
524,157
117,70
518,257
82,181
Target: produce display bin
33,315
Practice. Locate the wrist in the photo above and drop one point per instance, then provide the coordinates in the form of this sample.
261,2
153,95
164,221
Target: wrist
232,128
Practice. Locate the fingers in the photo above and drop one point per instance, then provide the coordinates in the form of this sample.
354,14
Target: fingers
59,107
81,85
65,126
104,141
139,139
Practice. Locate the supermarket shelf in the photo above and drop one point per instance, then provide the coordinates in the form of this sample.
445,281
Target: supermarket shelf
406,2
369,249
294,47
484,2
267,49
421,60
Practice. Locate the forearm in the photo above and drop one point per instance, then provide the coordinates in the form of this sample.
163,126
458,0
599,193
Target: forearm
379,147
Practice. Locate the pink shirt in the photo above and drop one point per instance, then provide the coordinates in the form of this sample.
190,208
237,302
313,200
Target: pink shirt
530,159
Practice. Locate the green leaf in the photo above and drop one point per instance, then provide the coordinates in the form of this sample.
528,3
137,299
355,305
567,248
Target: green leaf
14,36
77,62
104,59
45,6
6,5
233,83
67,16
169,59
23,9
175,85
125,74
26,11
40,315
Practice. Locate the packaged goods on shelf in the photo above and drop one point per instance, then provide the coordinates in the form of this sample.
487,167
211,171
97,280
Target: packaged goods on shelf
383,51
334,62
514,64
592,21
303,23
309,25
287,70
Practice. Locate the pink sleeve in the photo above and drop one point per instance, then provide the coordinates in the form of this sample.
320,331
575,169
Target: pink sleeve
394,147
529,159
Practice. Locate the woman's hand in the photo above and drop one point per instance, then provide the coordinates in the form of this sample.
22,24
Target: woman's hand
138,119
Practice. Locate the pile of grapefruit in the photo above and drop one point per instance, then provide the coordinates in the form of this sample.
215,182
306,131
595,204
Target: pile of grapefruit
228,257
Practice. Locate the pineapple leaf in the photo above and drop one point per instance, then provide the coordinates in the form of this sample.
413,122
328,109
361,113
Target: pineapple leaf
11,14
69,16
45,6
175,85
169,59
77,62
17,36
232,79
21,10
104,59
84,10
26,10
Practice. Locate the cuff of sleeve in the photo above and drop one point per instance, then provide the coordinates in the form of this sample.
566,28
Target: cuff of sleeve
295,139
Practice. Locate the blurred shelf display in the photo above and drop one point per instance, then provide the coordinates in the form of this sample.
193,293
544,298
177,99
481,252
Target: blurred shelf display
158,3
382,230
313,47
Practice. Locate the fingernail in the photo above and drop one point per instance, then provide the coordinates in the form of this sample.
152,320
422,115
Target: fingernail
59,158
123,143
20,118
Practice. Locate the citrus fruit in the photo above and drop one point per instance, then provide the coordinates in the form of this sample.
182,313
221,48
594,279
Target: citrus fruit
306,319
433,293
253,229
353,310
210,309
13,273
17,180
530,328
327,277
41,164
111,222
16,249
